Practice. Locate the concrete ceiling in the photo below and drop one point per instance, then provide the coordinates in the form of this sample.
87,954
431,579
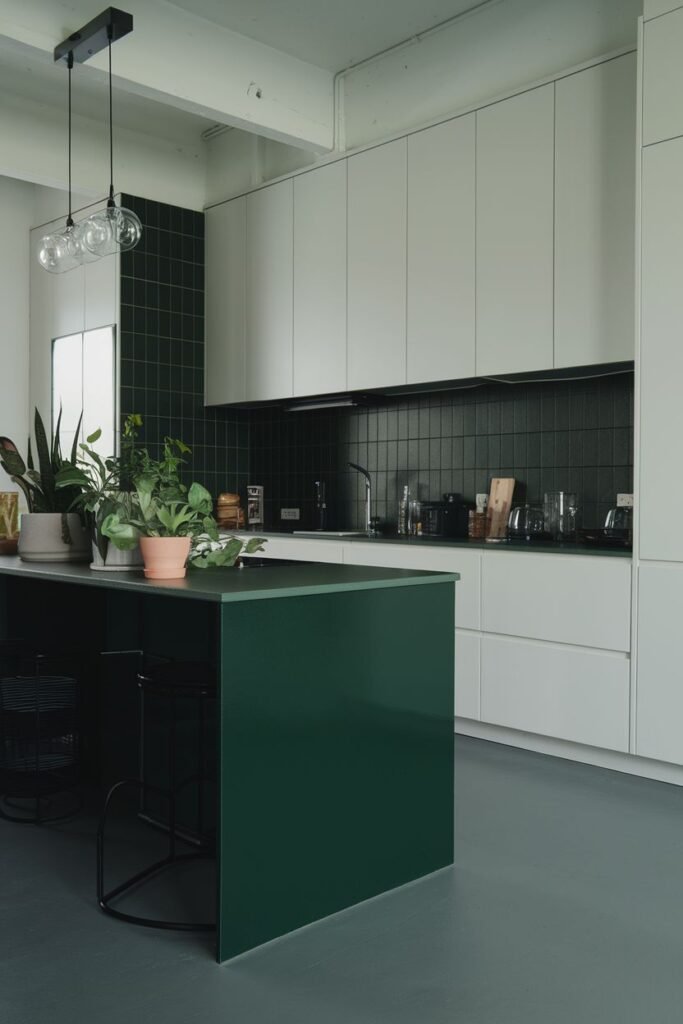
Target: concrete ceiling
333,34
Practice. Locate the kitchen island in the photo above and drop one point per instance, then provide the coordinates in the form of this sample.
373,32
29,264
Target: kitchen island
335,733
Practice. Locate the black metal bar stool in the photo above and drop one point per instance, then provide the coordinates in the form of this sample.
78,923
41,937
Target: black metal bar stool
39,738
164,686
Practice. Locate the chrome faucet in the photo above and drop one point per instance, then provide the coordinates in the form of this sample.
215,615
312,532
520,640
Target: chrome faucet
368,496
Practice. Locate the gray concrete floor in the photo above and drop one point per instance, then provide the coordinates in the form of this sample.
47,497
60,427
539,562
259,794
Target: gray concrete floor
565,907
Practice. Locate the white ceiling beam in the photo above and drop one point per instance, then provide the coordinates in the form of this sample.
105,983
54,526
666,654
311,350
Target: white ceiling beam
185,61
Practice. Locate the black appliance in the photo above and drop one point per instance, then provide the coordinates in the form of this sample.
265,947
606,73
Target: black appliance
455,515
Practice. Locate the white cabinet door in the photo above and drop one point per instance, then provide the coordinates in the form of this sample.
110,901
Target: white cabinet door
515,153
567,692
435,559
659,680
377,267
270,235
467,659
570,599
661,352
441,252
663,78
225,303
298,549
320,280
595,169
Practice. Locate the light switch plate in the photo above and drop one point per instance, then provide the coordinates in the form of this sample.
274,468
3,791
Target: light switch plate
290,513
624,501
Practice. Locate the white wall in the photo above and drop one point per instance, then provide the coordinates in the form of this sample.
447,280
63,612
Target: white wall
494,50
16,214
169,171
238,161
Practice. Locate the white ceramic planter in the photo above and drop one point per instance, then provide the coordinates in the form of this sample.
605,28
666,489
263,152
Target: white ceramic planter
40,539
116,560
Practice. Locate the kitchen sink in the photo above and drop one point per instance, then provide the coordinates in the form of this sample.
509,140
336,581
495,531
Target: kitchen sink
330,533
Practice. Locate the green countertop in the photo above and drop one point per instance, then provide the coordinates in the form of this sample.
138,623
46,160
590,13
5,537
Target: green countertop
225,585
456,542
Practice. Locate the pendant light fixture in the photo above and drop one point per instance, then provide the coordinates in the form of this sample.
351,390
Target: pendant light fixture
59,251
114,229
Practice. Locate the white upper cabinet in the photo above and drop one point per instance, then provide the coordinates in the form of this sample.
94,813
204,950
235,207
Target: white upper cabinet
320,280
224,361
441,191
514,309
661,352
663,78
595,173
377,267
269,289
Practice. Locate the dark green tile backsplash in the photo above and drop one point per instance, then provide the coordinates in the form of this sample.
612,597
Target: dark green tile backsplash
569,435
575,436
162,347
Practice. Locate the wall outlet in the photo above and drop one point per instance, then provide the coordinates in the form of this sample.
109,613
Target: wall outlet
290,513
624,501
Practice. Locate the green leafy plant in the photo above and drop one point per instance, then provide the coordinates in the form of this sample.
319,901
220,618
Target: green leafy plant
222,552
39,483
104,482
163,506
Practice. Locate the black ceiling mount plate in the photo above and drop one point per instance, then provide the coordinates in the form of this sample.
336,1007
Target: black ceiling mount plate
93,37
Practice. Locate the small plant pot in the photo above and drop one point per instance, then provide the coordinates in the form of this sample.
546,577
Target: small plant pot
165,558
115,560
41,540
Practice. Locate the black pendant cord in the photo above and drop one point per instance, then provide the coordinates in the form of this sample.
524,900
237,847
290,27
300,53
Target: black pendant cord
110,200
70,64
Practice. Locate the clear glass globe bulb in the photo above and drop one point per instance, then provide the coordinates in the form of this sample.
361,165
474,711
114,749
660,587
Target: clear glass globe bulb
76,244
98,234
54,253
112,230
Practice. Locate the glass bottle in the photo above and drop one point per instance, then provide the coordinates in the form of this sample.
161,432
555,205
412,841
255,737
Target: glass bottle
404,513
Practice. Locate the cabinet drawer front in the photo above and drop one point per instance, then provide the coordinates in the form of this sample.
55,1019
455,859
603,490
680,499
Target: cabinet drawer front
569,693
467,662
301,550
436,559
571,599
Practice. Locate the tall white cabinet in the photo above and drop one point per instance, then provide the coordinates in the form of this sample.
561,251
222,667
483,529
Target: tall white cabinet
376,340
441,247
515,146
661,352
269,292
595,124
225,303
320,281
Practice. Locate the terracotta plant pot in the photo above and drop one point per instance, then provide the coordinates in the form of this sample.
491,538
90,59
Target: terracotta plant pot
165,558
41,539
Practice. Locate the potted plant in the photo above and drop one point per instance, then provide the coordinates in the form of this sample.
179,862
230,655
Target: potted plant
50,530
171,522
164,516
105,484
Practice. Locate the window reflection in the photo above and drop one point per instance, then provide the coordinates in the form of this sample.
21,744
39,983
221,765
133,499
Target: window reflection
84,379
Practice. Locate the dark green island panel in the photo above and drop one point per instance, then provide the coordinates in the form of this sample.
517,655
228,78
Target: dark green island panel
335,735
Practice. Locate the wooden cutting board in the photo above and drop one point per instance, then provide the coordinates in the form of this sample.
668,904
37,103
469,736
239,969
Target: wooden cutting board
500,502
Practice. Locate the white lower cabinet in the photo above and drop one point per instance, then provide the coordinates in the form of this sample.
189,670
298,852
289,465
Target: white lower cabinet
467,668
570,693
298,549
659,679
568,599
